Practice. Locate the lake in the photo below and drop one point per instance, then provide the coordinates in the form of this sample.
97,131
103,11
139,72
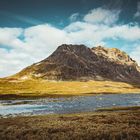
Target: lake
74,104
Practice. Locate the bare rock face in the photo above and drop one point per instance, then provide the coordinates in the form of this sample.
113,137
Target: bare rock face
78,62
114,55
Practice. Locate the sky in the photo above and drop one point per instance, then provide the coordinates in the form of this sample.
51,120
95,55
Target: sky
30,30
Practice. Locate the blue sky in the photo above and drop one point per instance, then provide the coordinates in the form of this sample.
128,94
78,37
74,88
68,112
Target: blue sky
25,13
30,30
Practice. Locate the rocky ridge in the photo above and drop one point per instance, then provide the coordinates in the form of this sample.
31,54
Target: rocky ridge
78,62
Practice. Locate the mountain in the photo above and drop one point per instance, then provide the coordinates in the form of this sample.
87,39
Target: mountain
78,62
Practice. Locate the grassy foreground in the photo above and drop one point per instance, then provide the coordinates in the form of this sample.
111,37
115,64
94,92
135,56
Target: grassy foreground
44,88
102,125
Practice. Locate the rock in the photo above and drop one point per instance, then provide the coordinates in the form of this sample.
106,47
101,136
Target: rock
78,62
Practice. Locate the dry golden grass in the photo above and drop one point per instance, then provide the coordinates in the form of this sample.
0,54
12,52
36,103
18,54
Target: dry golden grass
44,88
124,125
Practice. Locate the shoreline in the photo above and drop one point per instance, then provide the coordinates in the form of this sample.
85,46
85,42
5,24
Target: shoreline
99,110
23,97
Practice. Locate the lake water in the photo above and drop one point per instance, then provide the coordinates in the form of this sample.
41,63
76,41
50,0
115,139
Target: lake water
75,104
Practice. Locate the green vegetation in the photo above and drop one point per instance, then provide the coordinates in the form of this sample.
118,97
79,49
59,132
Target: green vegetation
33,88
105,125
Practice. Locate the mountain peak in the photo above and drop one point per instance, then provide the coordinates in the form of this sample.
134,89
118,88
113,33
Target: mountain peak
114,54
78,62
70,47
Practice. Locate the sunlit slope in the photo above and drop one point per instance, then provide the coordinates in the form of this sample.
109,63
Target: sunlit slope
76,70
44,88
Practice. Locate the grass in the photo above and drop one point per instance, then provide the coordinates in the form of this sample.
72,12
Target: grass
35,88
103,125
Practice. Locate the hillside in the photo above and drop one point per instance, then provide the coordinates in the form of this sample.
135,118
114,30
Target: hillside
78,62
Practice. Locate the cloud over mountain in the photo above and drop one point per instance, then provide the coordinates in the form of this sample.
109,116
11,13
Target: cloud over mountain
20,47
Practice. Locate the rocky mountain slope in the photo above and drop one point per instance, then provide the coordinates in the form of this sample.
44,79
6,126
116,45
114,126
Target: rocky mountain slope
78,62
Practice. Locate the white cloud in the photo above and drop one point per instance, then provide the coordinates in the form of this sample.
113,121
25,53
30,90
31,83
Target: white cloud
126,32
135,54
35,43
74,17
39,42
102,16
9,36
96,33
44,37
137,14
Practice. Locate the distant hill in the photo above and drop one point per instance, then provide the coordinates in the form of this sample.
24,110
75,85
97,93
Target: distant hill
78,62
